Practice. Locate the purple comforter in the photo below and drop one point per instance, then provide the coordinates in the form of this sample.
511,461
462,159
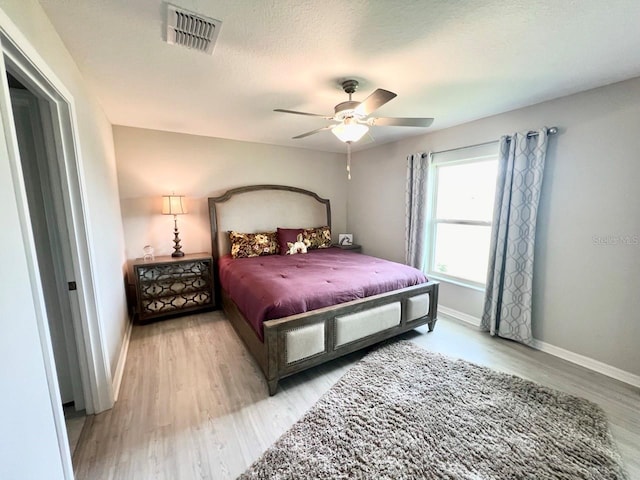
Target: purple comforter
277,286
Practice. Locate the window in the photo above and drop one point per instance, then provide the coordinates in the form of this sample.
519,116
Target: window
462,185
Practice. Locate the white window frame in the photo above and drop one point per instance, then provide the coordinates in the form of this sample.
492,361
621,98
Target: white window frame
475,154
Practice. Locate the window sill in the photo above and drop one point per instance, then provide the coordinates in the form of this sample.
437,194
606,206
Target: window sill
458,283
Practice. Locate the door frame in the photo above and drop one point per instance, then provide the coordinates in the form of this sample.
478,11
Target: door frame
18,57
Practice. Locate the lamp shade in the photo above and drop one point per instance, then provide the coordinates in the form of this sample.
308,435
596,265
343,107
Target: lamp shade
350,132
173,205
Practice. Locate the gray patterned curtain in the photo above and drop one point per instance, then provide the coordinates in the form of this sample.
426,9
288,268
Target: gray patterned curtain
416,210
507,305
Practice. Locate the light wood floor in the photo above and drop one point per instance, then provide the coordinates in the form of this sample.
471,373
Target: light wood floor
194,405
74,421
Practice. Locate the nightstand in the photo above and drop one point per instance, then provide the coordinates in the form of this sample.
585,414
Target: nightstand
353,248
170,286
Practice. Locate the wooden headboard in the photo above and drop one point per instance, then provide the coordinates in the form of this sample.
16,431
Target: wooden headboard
262,208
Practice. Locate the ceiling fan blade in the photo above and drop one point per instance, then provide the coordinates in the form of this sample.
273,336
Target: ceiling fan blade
303,113
312,132
374,102
401,122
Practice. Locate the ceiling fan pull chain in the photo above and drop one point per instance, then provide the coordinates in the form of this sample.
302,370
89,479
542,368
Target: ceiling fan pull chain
348,160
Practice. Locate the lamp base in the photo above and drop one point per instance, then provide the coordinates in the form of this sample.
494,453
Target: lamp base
176,239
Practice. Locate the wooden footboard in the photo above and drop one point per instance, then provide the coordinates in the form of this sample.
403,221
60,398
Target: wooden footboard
298,342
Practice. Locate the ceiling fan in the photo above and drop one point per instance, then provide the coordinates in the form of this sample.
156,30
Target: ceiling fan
352,118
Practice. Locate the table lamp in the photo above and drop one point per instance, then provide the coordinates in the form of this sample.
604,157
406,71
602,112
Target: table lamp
174,205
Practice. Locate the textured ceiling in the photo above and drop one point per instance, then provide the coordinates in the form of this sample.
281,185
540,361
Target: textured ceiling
452,60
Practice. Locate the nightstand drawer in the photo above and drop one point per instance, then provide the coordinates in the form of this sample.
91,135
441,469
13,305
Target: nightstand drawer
165,287
174,303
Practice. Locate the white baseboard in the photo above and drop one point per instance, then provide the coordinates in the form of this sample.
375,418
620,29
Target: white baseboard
122,359
567,355
457,315
586,362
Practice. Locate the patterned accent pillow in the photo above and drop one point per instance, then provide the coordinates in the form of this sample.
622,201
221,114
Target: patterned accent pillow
245,245
319,237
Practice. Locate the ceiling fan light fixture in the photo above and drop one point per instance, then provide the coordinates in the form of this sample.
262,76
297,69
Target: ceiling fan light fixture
349,132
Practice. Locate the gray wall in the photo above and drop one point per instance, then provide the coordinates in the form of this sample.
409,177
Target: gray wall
586,298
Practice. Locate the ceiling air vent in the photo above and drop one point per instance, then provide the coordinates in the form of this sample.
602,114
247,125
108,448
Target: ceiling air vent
191,29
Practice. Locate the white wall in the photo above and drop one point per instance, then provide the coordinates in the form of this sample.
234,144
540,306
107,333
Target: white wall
27,444
586,298
153,163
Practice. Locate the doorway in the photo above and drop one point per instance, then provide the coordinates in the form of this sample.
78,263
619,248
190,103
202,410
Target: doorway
36,146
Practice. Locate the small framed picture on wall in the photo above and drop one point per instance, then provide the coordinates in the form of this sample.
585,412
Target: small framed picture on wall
345,239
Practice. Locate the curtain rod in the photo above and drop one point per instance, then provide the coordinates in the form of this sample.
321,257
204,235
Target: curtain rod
550,131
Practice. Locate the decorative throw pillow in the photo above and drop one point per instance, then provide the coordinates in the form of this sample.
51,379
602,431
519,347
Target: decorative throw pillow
299,246
319,237
253,244
286,236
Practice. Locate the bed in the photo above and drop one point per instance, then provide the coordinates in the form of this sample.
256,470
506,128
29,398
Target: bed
313,312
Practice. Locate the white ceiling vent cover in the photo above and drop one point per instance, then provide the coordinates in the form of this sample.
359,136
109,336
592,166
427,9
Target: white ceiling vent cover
191,30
